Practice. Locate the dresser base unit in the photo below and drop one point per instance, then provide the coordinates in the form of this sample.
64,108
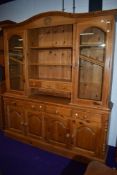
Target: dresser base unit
62,128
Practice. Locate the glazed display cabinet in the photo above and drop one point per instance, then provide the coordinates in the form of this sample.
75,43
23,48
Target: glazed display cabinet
58,69
3,24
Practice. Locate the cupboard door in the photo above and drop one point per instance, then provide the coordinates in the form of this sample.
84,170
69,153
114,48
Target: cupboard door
92,63
86,132
34,124
14,118
56,129
15,72
89,133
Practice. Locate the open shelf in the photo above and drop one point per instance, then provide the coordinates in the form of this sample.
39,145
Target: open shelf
51,86
50,62
100,45
35,64
50,99
51,47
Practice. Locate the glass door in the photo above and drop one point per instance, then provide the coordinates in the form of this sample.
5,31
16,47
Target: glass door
16,62
90,73
91,64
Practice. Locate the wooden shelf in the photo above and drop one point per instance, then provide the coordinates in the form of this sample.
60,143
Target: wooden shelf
100,45
51,47
37,64
49,98
16,76
51,87
50,79
18,48
52,90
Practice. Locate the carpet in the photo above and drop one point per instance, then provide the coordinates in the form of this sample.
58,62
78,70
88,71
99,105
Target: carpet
17,158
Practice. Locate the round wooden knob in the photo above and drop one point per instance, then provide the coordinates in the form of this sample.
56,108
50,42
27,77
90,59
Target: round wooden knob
67,135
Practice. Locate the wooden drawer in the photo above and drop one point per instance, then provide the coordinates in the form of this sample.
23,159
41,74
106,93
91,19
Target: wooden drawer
35,106
88,123
14,102
53,85
25,104
86,116
58,110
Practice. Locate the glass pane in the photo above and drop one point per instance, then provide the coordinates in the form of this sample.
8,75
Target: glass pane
16,63
92,57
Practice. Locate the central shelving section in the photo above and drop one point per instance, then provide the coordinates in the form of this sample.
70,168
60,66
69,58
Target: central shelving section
50,60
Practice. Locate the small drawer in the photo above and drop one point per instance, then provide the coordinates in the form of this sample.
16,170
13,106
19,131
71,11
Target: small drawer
58,110
13,102
86,116
95,117
36,107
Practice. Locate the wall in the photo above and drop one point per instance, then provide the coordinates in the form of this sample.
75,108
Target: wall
20,10
112,140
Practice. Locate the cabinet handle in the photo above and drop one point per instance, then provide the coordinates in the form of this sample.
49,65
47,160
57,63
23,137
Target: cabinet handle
108,26
40,106
33,106
85,117
67,135
56,112
76,115
26,124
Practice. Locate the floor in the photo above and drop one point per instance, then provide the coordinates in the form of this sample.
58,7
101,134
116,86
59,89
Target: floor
17,158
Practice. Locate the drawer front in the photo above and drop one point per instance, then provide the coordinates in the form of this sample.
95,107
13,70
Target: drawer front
25,104
86,116
35,106
61,86
88,123
58,110
14,102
